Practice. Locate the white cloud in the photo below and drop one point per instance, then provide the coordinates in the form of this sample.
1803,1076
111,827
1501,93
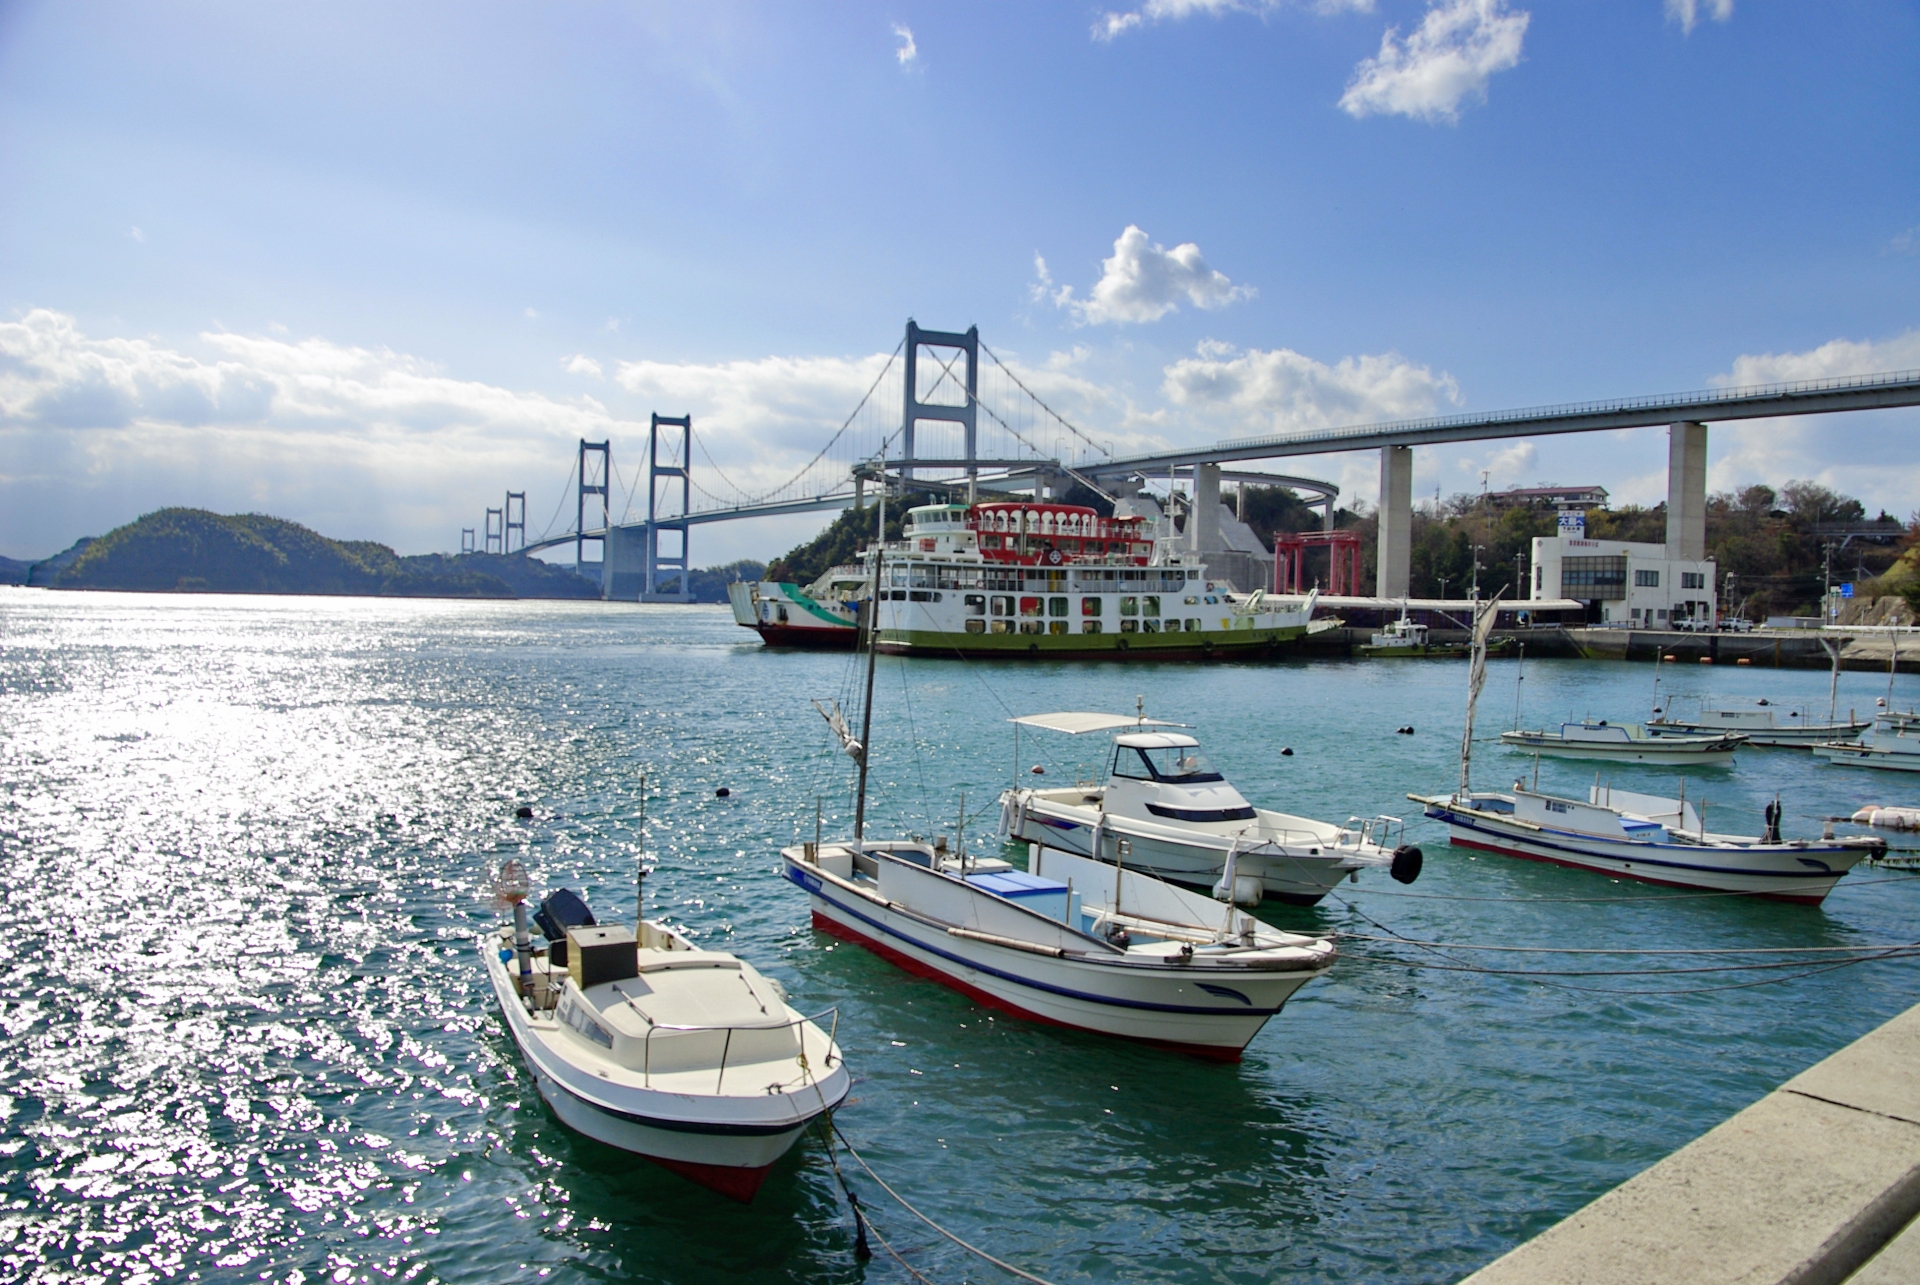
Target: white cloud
359,443
1907,242
1276,391
137,234
1688,12
1143,282
1449,58
581,364
1836,358
1113,23
908,51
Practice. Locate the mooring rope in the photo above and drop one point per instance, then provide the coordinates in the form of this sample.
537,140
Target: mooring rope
975,1250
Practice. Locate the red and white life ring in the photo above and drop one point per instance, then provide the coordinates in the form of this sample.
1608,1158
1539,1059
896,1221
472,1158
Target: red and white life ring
1053,557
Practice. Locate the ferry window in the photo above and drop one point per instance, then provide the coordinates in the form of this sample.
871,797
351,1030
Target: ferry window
1056,606
1212,601
1001,627
1003,606
976,626
1193,626
1033,626
1056,626
922,578
1090,626
1646,579
1090,606
1129,606
1149,626
1029,606
976,604
1150,606
1129,626
1193,575
1192,601
898,577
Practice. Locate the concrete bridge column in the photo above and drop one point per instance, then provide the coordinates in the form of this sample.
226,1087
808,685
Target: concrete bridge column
1203,524
1396,522
1687,491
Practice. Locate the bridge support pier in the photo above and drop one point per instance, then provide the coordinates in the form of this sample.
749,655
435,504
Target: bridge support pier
1203,520
1394,573
1687,491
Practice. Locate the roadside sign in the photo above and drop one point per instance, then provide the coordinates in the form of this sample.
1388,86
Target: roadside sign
1846,590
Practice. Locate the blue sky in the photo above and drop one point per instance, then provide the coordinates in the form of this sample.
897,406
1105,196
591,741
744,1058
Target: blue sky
367,266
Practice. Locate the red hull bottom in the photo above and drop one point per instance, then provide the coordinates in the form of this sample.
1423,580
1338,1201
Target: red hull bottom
807,639
734,1182
1622,874
1211,1053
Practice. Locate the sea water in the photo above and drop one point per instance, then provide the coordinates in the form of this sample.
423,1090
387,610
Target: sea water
245,1035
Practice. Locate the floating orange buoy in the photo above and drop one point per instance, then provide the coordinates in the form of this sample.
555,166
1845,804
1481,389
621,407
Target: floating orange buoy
1668,656
1706,660
1743,661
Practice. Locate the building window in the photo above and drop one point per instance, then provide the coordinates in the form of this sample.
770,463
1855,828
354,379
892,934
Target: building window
1539,579
1693,579
1646,579
1663,613
1593,577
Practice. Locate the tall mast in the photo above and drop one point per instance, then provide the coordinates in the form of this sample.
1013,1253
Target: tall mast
866,705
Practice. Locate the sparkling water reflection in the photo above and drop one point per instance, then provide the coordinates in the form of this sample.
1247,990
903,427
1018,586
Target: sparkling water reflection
247,840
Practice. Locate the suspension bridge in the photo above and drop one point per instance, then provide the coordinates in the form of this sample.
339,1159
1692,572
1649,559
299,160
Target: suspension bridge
935,417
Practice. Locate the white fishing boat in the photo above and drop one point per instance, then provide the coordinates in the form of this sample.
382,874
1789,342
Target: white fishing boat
1165,810
1633,836
1895,747
1069,941
1761,722
690,1058
1625,743
1647,838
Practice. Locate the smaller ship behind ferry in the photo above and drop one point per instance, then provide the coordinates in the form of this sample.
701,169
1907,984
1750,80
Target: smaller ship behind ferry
1031,579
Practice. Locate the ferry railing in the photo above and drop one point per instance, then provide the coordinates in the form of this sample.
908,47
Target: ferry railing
726,1046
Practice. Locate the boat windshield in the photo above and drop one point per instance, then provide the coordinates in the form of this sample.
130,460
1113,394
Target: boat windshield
1182,763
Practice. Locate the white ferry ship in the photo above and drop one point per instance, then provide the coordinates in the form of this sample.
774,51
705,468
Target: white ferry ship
823,614
1041,579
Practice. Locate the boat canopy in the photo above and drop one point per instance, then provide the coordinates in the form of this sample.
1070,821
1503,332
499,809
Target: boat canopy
1075,724
1156,741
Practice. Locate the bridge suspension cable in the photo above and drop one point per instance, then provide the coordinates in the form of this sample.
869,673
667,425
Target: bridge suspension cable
1040,403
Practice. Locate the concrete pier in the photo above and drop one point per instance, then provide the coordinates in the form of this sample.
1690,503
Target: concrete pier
1818,1183
1395,566
1687,492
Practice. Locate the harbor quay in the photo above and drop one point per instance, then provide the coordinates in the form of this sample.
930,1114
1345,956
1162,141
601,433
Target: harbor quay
1817,1183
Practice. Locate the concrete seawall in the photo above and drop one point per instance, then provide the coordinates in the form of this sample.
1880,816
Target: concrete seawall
1818,1183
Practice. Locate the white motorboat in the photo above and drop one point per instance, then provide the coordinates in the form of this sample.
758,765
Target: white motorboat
1166,811
1895,747
1762,723
1647,838
688,1057
1069,941
1625,743
1098,948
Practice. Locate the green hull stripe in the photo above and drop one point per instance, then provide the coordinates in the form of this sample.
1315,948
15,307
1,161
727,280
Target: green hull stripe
799,598
1223,641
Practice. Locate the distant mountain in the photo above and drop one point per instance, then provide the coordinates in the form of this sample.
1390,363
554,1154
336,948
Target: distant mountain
192,550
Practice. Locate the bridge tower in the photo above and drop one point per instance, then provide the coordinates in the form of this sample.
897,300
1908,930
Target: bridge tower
964,413
593,481
512,523
677,466
496,536
466,539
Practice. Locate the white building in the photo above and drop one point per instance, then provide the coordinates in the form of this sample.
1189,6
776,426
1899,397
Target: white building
1622,583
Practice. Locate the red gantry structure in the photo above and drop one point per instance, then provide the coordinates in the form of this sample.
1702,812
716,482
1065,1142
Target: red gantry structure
1343,561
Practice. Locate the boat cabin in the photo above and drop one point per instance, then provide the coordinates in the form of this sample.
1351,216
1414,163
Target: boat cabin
1027,534
1164,776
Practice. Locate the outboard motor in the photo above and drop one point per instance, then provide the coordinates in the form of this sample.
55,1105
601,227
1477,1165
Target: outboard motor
562,910
1407,861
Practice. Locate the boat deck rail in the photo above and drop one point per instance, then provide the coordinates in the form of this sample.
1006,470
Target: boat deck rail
726,1046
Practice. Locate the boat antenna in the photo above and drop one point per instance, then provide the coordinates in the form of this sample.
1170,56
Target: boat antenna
1833,687
1893,661
1519,677
1140,709
1476,679
640,863
1657,657
873,635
